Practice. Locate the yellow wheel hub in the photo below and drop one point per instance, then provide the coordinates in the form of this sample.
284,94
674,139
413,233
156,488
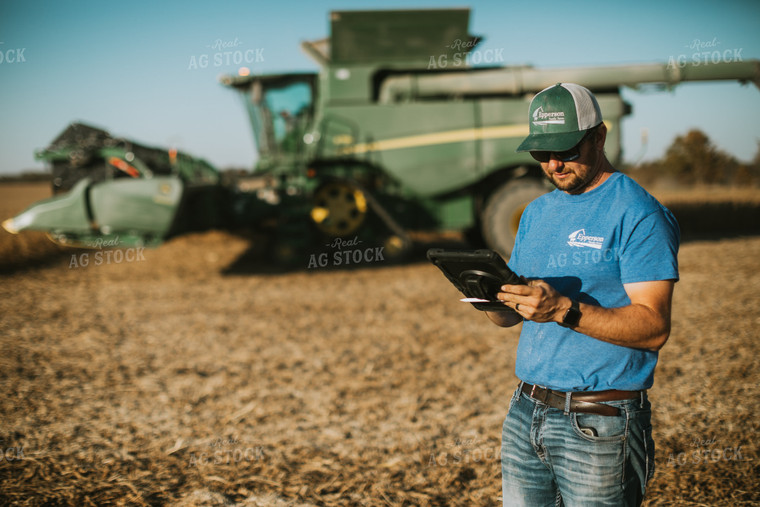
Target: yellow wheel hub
339,208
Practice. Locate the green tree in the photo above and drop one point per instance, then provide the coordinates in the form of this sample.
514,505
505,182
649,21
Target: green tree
693,159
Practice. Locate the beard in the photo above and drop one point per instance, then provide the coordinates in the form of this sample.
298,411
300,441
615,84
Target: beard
572,183
576,181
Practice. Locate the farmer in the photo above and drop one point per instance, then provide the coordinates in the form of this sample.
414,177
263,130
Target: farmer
601,257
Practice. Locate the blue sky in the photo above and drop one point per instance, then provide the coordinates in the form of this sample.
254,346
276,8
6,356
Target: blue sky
127,66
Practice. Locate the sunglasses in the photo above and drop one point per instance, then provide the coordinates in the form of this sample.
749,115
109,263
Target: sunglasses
565,156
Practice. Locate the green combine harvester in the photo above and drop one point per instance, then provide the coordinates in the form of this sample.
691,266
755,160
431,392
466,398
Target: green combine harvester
396,133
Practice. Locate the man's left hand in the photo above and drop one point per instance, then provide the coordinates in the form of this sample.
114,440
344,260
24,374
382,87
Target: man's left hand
538,301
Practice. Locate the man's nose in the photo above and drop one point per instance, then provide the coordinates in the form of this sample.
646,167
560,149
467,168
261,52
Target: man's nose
555,163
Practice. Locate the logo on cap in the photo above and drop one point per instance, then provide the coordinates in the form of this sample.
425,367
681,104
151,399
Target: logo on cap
542,118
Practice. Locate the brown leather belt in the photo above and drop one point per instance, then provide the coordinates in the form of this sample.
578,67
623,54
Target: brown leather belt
585,402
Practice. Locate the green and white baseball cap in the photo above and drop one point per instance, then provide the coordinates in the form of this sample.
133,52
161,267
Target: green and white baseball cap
560,115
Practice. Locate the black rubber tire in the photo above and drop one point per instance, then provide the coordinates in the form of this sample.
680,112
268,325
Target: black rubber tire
503,210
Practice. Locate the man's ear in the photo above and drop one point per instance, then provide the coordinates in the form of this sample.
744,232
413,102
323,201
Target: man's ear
601,135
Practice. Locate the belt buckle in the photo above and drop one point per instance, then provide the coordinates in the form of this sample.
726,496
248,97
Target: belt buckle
543,394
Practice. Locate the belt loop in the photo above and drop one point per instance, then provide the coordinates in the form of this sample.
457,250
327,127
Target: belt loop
568,397
641,397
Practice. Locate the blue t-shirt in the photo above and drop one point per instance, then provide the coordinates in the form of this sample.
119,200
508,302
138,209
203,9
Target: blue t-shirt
587,246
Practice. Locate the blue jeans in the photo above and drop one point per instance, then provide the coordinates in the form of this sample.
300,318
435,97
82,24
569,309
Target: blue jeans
548,460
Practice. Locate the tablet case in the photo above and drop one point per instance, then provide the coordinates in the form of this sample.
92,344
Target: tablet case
476,273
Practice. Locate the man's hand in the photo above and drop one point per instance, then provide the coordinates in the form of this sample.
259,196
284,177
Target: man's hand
538,301
535,301
643,324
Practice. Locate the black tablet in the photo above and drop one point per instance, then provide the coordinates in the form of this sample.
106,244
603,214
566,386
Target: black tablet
478,274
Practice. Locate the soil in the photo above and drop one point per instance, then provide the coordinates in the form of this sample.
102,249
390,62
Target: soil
168,379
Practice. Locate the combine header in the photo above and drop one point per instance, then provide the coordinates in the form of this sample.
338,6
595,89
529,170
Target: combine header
115,191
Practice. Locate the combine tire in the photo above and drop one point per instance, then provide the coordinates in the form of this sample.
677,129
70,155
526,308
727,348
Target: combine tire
503,210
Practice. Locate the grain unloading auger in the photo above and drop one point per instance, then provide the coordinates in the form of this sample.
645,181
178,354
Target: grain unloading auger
394,133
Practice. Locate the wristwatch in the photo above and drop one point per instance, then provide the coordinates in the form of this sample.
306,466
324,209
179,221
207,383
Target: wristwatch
572,315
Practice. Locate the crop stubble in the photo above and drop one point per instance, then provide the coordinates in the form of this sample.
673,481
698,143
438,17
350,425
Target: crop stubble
165,382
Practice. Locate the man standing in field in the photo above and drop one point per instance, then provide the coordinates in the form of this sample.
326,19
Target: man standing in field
601,257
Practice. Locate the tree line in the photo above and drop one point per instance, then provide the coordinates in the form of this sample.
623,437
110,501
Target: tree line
692,159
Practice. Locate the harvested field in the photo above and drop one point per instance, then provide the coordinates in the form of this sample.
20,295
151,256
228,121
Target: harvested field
164,381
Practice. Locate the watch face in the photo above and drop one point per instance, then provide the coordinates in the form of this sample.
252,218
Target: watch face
572,316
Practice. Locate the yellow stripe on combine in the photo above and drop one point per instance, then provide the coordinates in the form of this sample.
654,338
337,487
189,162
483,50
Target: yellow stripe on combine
450,136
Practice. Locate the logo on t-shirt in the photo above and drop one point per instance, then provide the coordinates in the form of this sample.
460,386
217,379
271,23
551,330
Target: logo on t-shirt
580,238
